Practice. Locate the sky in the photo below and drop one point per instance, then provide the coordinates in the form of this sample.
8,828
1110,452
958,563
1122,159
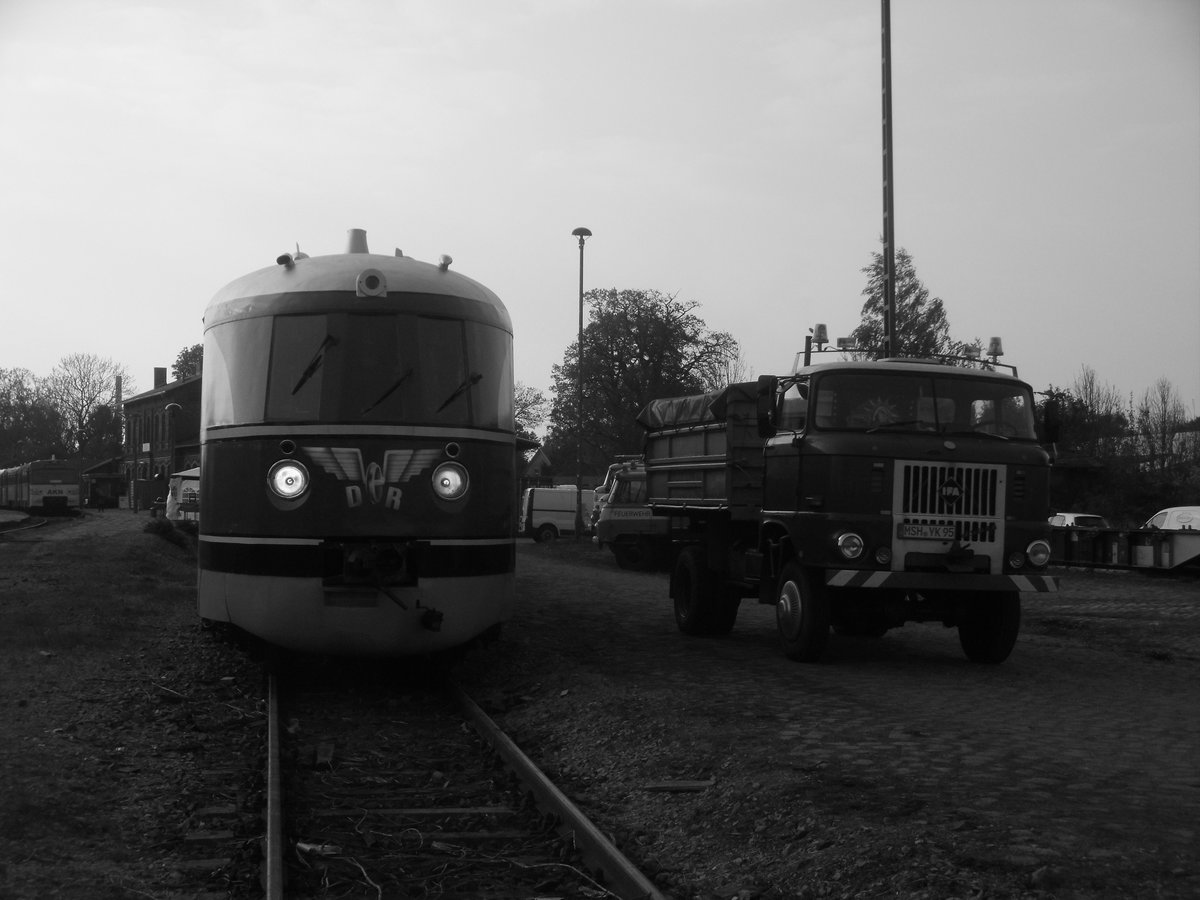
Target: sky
728,152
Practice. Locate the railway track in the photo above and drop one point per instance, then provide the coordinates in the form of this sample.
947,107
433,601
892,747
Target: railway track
385,781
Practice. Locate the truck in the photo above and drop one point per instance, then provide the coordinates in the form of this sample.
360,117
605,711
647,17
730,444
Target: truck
547,512
856,496
637,537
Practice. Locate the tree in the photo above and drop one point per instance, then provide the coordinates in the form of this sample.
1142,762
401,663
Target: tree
79,384
102,436
1092,419
30,425
1161,417
531,408
189,362
922,329
639,345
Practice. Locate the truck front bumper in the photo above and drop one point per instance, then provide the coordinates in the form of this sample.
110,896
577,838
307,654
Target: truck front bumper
949,581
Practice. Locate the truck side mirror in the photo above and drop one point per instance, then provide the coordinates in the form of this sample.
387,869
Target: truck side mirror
768,410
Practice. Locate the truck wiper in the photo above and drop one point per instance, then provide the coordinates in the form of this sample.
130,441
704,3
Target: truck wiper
391,390
907,423
315,362
473,379
973,433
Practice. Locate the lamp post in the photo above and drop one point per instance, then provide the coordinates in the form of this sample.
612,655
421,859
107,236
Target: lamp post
172,409
583,234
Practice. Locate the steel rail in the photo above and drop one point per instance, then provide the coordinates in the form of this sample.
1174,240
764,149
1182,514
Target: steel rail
272,871
624,879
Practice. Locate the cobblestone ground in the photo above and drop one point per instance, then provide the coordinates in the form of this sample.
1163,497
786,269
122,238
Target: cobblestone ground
1081,752
1070,771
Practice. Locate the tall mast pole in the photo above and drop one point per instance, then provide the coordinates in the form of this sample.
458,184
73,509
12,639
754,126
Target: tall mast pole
889,224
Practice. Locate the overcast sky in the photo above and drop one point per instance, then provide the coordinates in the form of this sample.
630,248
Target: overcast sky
1047,165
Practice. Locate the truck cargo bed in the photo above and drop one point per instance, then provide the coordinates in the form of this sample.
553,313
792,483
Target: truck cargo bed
703,452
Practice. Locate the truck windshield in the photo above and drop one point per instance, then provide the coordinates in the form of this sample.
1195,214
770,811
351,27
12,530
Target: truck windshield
876,401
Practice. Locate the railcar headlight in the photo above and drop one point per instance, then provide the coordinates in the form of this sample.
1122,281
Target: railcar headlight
288,479
450,481
851,545
1038,553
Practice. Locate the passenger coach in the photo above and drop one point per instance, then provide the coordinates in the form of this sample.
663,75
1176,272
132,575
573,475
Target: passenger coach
357,455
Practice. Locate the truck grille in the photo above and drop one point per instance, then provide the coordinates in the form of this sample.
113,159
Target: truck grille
969,497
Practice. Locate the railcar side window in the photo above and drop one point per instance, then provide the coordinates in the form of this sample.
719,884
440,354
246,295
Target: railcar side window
488,351
235,377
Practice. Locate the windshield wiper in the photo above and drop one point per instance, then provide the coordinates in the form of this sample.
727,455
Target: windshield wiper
973,433
907,423
473,379
315,363
391,390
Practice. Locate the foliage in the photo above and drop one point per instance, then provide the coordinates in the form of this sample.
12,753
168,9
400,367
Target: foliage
922,328
639,345
30,424
79,385
181,534
531,409
189,362
1118,460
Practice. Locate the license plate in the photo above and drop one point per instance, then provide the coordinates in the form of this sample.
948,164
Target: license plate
927,532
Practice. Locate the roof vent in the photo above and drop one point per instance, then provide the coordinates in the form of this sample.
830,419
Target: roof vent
357,241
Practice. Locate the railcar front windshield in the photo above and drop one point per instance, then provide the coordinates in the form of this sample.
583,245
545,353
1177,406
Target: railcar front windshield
359,368
945,404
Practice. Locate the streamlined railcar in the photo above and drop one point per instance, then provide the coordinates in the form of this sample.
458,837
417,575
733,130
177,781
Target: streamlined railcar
358,457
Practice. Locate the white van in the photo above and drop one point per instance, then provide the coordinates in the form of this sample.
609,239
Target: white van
548,512
1175,518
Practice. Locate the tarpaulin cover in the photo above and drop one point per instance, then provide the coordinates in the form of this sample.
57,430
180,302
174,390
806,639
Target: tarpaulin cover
696,409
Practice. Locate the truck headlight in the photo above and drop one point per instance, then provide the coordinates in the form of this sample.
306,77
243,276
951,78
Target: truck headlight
851,545
1038,553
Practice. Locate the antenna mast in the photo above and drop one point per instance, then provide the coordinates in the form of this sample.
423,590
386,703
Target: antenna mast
889,225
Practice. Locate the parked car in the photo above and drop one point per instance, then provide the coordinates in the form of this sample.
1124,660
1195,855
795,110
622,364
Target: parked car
1078,520
1175,518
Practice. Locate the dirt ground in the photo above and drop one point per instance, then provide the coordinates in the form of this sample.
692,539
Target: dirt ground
896,769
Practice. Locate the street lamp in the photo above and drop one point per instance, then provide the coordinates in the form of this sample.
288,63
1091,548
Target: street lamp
172,409
583,234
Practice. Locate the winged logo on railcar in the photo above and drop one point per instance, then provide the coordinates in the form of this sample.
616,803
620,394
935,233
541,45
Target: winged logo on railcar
373,483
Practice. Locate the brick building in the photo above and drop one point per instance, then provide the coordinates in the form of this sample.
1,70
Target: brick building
162,435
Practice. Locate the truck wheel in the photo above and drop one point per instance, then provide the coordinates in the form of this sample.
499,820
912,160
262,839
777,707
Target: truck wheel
545,534
724,612
802,614
693,593
630,556
989,626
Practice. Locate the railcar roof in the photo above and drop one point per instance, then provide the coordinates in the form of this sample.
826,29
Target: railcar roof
340,272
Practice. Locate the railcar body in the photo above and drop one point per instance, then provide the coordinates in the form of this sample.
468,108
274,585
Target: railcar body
45,486
358,457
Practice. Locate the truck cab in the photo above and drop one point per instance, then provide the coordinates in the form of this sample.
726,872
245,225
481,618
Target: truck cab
636,536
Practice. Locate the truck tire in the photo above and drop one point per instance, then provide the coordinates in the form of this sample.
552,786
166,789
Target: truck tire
631,556
988,628
802,613
701,606
545,534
